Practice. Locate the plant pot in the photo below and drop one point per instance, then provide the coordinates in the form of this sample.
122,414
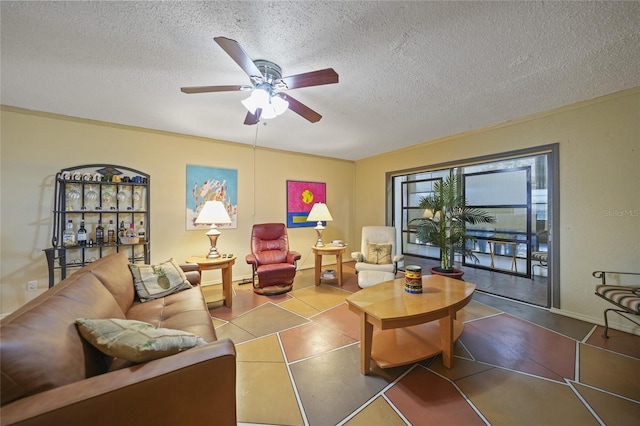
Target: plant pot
454,273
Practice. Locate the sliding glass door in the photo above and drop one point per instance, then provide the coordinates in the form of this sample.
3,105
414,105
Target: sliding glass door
516,191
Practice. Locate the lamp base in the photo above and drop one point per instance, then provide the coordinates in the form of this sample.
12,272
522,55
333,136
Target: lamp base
319,230
213,239
213,253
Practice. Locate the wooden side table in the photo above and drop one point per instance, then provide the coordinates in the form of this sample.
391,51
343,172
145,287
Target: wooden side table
223,263
336,251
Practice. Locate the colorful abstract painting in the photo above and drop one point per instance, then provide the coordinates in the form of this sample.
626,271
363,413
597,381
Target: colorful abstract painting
211,184
301,196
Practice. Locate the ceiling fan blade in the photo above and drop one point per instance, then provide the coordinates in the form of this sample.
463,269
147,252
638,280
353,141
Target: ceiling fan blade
205,89
238,54
302,110
313,78
251,119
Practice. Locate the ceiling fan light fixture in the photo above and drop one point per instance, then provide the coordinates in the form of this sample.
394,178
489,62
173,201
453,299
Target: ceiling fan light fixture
259,98
274,108
250,104
268,113
279,104
270,105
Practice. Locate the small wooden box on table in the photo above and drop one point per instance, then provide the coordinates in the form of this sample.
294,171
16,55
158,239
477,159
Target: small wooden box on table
406,326
223,263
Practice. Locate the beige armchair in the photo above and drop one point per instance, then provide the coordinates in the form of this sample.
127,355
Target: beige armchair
378,251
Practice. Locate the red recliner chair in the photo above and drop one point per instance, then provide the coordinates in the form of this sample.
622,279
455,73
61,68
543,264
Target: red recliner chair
273,264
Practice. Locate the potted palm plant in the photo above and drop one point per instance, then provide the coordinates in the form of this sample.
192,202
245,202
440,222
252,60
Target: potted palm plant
444,223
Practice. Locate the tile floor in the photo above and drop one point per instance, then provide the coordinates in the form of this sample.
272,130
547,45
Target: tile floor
298,364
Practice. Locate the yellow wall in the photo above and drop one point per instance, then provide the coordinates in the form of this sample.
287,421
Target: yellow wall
599,144
36,146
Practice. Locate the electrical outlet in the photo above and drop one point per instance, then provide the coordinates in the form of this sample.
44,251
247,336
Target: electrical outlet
32,286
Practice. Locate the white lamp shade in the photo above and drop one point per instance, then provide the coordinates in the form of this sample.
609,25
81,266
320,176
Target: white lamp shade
250,104
279,105
319,212
268,113
258,99
213,213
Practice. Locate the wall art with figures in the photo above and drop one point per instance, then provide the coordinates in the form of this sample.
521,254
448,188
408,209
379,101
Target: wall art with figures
211,184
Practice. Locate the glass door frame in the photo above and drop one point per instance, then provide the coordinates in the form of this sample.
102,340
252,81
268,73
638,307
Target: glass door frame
511,235
552,156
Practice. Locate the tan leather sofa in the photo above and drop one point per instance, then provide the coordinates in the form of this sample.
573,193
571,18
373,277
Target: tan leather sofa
51,376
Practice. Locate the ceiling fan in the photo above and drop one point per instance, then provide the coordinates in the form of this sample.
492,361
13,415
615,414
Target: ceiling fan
267,98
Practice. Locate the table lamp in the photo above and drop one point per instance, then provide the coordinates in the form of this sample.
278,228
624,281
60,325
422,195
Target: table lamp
213,213
319,212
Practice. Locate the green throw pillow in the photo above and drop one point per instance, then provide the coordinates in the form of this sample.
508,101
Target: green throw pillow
135,341
379,254
155,281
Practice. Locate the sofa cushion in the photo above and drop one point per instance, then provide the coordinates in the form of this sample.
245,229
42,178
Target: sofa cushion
135,341
114,274
155,281
185,310
378,254
40,346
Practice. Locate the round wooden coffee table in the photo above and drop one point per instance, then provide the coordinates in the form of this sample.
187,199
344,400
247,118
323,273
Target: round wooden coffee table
406,326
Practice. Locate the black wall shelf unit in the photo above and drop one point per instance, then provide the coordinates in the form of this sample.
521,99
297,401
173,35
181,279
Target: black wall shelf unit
96,193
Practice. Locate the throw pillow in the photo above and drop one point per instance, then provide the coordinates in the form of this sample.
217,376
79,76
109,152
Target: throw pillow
155,281
135,341
379,254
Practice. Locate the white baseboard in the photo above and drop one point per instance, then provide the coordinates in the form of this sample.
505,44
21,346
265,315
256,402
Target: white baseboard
615,323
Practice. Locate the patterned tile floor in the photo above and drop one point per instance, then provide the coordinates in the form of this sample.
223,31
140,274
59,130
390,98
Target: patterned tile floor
298,364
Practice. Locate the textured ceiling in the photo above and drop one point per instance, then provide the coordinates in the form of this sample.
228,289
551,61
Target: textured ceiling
409,71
